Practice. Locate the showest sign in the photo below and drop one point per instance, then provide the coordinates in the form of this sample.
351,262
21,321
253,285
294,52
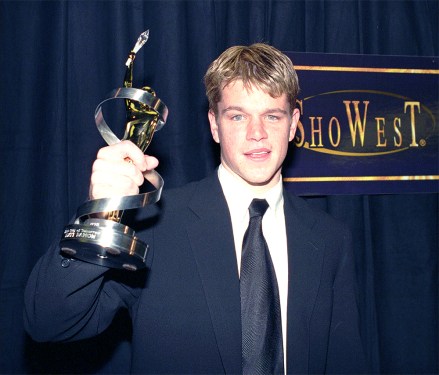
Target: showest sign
369,124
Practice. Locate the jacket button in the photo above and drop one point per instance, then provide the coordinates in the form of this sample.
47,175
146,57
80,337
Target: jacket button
65,263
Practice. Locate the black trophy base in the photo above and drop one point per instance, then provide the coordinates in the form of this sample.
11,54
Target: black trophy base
105,243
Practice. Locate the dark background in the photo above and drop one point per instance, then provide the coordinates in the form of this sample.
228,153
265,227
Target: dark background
58,60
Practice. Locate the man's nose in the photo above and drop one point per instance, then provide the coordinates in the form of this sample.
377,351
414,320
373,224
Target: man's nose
256,130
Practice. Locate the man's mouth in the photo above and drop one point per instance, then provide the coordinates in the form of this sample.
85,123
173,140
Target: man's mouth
258,154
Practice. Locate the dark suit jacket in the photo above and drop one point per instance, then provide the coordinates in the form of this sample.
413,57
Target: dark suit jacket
186,307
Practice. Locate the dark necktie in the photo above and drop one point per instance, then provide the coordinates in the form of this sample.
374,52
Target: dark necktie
262,351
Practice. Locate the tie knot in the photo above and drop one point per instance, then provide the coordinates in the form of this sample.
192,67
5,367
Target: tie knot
258,207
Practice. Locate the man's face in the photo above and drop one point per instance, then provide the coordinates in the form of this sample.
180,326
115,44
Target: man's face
253,130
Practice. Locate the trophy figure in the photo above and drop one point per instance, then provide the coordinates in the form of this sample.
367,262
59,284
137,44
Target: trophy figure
97,235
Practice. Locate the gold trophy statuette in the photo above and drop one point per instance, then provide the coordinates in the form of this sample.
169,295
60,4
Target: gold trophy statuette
97,234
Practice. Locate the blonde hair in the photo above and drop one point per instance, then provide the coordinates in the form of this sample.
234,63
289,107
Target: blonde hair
259,65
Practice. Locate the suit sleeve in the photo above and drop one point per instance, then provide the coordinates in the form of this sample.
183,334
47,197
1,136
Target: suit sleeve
345,350
68,299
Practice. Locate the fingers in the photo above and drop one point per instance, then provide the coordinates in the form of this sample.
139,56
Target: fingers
111,178
121,151
118,170
151,163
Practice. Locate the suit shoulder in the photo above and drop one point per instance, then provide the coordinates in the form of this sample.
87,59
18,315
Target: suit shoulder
314,217
179,196
204,191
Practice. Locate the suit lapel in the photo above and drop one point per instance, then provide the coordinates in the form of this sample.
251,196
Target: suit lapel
210,233
305,261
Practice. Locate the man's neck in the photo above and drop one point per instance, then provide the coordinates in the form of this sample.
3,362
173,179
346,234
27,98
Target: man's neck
255,190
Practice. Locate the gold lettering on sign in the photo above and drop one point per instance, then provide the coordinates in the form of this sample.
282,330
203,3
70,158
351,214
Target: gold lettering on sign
331,138
318,131
396,127
412,106
358,124
381,141
349,132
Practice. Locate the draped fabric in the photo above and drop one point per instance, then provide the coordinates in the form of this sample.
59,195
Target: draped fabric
58,60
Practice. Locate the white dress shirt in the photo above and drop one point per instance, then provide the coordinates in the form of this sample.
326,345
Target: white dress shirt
239,196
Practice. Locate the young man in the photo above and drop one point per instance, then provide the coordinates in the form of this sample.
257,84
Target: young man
190,310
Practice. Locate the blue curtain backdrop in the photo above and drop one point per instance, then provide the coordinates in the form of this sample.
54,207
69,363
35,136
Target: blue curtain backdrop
59,58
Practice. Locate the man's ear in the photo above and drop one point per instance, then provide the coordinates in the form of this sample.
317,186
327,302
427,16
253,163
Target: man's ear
294,121
213,126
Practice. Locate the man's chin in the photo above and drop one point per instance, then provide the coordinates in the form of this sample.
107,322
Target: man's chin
263,181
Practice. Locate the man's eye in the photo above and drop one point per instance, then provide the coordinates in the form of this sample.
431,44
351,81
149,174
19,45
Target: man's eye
272,118
237,117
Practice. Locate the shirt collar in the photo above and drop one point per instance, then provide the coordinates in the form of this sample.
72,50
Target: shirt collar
239,195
